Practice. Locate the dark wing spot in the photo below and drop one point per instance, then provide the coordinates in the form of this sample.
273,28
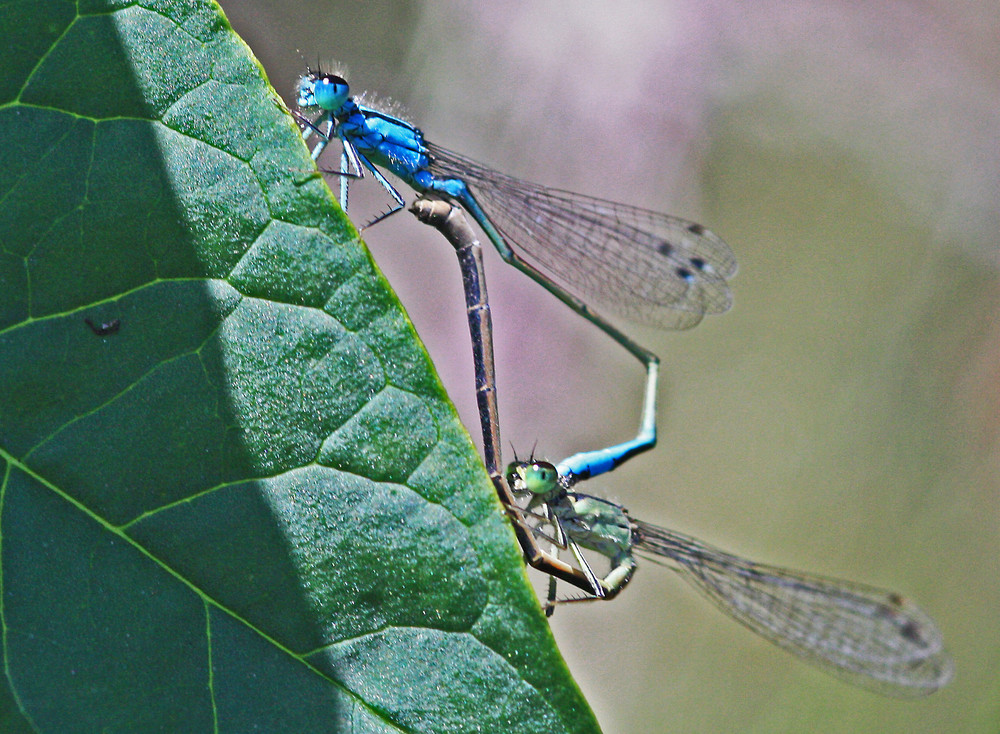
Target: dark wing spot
665,248
685,274
911,631
697,229
697,263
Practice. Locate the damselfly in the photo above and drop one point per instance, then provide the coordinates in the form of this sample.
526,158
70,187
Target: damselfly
873,638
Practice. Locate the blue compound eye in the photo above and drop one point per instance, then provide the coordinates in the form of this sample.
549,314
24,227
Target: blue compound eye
330,92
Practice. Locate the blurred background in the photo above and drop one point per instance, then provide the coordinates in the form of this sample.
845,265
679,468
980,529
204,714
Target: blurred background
842,418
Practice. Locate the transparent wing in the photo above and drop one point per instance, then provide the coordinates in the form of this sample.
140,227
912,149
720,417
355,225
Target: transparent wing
873,638
649,267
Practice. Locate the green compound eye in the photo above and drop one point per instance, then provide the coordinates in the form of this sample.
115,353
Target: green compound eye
537,477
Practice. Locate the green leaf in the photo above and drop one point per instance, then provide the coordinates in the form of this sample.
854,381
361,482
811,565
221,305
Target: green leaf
234,495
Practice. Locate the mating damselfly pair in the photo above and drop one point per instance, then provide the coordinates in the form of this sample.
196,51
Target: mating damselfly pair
657,269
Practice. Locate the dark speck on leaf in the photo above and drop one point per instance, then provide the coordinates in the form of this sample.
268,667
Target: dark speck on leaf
105,328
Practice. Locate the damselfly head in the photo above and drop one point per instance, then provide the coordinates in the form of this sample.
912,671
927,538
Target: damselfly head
536,477
315,88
